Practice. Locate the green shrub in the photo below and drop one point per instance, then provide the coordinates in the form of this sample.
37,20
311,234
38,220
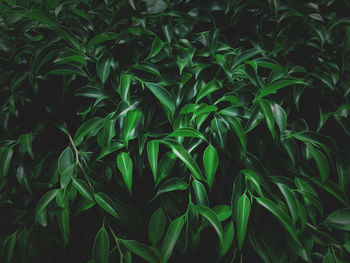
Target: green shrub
174,131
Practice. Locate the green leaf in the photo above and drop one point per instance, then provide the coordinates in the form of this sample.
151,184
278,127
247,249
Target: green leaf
174,184
329,257
83,189
280,215
26,141
211,163
156,226
242,220
291,201
237,127
103,37
251,176
321,161
103,67
101,246
44,202
186,132
106,203
229,232
5,159
186,158
279,84
171,238
141,250
223,212
114,146
163,96
210,215
280,117
125,165
124,87
152,153
209,88
66,166
157,45
200,193
63,223
132,119
86,128
270,120
339,219
9,246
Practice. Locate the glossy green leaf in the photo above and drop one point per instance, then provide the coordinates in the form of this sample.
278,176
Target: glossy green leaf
291,201
186,158
171,238
174,184
211,163
106,203
210,215
339,219
125,166
66,166
63,223
321,161
163,96
103,67
141,250
242,220
152,153
26,141
5,159
237,127
270,120
124,87
86,128
186,132
44,202
157,45
275,86
223,212
200,193
156,226
209,88
280,117
110,148
229,232
132,119
101,247
103,37
83,189
281,216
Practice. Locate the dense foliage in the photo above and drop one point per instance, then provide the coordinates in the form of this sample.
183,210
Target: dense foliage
174,131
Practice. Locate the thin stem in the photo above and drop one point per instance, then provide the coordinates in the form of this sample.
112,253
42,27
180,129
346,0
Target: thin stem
117,243
77,161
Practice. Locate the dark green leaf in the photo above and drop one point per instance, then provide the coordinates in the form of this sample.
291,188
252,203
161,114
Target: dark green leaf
152,153
171,238
106,203
242,220
125,166
339,219
101,247
211,163
156,226
44,202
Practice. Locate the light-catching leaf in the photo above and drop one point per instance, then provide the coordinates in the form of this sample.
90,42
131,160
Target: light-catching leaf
163,96
242,220
171,238
141,250
211,163
101,246
125,166
152,153
339,219
156,226
106,203
44,202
